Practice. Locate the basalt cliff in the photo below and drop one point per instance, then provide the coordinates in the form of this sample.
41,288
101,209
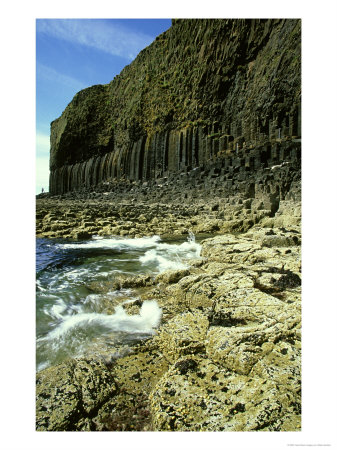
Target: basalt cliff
220,95
201,133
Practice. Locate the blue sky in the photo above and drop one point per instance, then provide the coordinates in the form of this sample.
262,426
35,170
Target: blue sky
72,54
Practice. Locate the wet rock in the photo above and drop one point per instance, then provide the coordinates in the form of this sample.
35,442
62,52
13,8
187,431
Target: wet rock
185,334
226,357
172,276
69,394
127,281
81,234
136,375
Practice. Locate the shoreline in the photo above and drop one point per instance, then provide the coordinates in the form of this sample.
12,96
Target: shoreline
226,356
200,133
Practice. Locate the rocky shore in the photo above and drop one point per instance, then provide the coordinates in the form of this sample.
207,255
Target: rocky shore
214,200
201,133
226,356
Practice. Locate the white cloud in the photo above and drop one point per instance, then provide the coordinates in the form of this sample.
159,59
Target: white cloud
42,161
47,73
42,143
106,36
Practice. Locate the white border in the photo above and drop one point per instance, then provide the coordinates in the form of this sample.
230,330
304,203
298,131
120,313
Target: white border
319,216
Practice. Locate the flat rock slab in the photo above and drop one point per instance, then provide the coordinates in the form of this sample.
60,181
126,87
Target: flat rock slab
226,357
198,395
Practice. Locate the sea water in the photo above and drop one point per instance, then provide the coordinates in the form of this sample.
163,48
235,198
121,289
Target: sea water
74,283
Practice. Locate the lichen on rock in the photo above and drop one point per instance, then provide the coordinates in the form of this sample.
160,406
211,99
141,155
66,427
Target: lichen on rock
71,393
227,356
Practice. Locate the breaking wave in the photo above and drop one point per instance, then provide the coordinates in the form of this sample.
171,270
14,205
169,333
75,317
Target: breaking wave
114,243
75,285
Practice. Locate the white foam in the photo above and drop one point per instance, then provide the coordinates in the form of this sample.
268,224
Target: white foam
162,263
171,256
39,287
74,318
57,309
132,300
191,237
145,322
188,248
76,273
115,243
92,299
42,366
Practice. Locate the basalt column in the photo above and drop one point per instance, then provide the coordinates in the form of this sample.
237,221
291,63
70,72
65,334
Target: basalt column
207,91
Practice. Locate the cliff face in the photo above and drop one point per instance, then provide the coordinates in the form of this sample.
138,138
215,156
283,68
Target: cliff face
207,91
